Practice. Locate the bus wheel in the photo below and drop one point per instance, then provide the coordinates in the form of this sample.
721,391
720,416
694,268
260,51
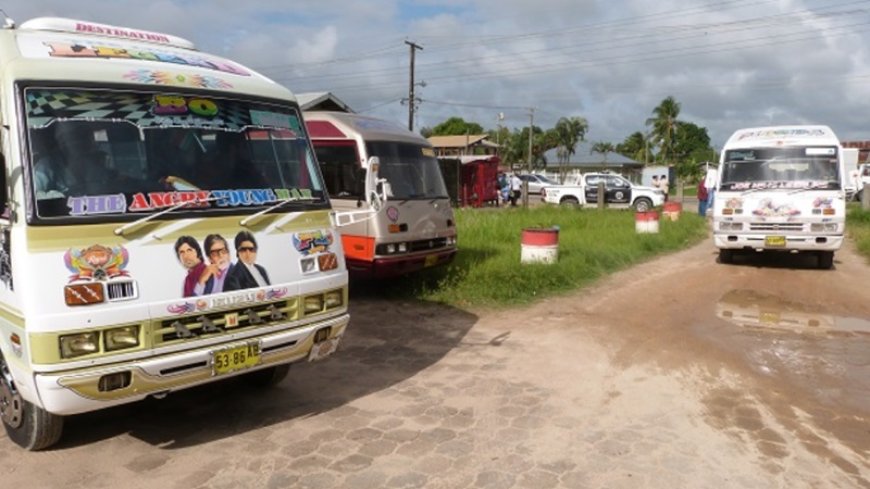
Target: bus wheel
29,426
726,255
826,260
268,377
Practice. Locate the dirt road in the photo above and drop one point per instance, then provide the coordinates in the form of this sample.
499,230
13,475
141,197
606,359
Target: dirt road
680,372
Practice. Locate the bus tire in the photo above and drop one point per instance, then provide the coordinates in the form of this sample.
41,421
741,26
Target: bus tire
29,426
826,260
726,256
270,376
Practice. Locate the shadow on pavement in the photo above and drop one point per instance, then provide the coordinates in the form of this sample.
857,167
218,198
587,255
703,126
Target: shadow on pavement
778,259
386,343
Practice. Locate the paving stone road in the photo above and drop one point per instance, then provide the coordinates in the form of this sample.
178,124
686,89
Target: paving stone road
590,390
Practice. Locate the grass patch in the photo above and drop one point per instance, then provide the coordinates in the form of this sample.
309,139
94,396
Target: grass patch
858,228
487,270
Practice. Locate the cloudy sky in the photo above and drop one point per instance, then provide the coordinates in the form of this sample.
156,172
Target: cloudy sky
729,63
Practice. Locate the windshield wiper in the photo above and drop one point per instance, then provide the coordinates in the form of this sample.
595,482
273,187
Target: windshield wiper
120,230
280,203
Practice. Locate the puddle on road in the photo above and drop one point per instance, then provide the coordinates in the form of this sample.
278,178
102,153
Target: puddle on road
752,309
824,354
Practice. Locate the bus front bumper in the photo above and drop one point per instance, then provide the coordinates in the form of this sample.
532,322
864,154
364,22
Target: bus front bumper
778,242
382,267
80,391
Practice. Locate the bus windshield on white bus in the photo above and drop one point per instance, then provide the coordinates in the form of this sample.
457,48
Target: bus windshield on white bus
781,167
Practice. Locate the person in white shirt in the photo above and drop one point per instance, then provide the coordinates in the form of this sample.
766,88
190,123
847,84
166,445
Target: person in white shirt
516,189
663,184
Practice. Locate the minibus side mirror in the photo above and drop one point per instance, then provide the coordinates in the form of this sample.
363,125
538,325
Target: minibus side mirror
376,189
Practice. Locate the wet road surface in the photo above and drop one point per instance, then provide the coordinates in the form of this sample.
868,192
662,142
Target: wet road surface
680,372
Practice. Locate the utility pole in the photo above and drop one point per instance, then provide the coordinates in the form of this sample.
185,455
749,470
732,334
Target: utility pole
529,160
411,100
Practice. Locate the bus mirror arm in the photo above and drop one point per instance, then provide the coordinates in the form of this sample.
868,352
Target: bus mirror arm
376,189
341,219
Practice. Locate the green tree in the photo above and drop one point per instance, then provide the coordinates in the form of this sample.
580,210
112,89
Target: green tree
568,132
635,146
455,126
692,146
602,148
664,128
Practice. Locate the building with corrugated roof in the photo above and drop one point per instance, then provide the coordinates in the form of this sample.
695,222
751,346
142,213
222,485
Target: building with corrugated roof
470,144
585,160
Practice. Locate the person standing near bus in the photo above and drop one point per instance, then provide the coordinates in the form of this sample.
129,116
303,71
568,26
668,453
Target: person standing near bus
516,189
703,195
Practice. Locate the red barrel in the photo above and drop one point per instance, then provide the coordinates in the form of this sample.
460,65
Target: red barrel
540,245
540,237
646,222
672,210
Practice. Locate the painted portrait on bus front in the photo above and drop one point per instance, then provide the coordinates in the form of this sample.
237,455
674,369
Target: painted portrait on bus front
246,273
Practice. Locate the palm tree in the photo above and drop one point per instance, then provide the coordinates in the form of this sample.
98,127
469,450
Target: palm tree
603,147
664,126
569,131
635,147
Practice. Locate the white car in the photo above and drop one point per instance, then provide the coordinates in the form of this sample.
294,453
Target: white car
537,182
618,193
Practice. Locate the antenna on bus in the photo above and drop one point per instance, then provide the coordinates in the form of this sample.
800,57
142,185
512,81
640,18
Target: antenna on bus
8,23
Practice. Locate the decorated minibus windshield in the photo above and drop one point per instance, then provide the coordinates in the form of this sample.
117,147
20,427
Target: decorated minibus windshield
95,152
815,168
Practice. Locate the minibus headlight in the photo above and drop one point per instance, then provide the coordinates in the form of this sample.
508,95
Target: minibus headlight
824,226
313,303
333,299
391,248
403,247
76,345
121,338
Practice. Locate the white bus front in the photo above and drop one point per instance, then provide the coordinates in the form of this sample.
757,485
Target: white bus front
780,198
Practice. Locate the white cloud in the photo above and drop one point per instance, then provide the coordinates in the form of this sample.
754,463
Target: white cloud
729,64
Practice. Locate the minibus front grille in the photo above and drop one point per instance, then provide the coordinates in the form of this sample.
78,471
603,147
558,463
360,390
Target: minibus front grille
777,226
215,323
427,244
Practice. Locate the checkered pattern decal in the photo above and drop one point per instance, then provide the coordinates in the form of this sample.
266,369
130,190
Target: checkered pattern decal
44,105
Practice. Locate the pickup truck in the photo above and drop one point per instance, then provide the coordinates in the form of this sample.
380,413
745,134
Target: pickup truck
618,192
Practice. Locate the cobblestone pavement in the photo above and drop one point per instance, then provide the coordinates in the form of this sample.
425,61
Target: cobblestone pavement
589,390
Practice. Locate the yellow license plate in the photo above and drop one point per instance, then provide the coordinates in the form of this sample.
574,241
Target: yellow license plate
235,358
430,260
774,241
769,318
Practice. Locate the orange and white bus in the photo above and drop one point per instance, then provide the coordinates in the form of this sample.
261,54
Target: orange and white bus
415,228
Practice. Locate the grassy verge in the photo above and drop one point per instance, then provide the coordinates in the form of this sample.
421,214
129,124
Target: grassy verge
487,270
858,228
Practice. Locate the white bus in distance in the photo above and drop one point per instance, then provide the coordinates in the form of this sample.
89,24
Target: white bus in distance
781,188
